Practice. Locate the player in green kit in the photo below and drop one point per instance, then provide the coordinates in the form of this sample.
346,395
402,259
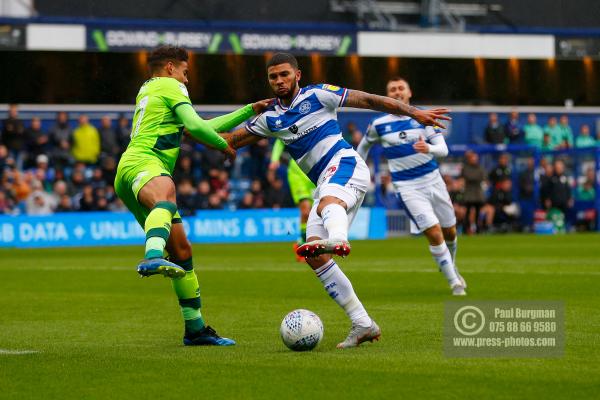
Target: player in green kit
301,188
144,178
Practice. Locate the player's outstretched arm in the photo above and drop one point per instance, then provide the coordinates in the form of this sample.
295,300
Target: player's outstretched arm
229,121
240,138
359,99
201,131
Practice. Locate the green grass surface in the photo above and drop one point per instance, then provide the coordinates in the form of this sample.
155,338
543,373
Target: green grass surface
101,332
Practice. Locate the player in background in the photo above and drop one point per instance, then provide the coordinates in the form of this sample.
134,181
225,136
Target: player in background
305,119
410,148
301,187
144,178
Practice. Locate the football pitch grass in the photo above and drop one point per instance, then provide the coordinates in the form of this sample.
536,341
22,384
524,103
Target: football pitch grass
80,324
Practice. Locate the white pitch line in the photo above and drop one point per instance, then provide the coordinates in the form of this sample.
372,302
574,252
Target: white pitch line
10,352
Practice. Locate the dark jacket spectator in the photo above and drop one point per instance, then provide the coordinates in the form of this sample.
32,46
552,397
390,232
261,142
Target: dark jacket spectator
474,175
502,169
109,143
494,132
527,180
37,141
123,132
13,134
61,138
186,198
559,191
276,195
513,129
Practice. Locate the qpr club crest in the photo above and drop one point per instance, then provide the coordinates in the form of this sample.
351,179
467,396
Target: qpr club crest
304,107
294,129
402,135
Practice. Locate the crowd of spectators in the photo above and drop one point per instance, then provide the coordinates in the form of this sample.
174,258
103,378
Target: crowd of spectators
555,135
72,168
67,168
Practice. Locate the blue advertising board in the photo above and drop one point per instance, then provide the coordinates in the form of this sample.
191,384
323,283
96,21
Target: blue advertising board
110,228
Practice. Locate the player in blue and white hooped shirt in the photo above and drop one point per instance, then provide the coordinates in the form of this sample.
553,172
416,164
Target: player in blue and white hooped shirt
305,119
411,148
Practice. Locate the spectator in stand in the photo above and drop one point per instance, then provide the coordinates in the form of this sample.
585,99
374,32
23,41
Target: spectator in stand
86,142
258,159
584,139
559,190
21,185
184,169
123,132
555,132
97,180
545,176
65,204
547,145
59,189
494,132
527,180
61,138
6,203
3,157
586,190
214,202
534,134
101,200
513,129
456,190
13,135
201,198
352,135
36,140
276,194
109,143
474,176
388,194
186,198
210,159
566,134
42,171
78,181
256,187
501,171
39,202
109,170
87,201
247,202
501,212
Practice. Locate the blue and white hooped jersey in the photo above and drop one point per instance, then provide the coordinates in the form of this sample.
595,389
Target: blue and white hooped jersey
397,134
308,127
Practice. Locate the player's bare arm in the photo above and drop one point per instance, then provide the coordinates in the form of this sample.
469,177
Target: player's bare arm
240,138
359,99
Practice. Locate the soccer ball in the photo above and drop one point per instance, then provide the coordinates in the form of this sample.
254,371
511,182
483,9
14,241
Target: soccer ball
301,330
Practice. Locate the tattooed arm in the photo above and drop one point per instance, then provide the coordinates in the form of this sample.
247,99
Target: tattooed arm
240,138
359,99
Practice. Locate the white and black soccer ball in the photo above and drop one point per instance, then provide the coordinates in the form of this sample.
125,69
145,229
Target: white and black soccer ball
301,330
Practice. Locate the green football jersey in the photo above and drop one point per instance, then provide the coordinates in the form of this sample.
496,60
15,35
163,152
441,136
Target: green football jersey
157,130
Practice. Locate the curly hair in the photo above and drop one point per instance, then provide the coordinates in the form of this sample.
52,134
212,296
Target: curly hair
163,54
